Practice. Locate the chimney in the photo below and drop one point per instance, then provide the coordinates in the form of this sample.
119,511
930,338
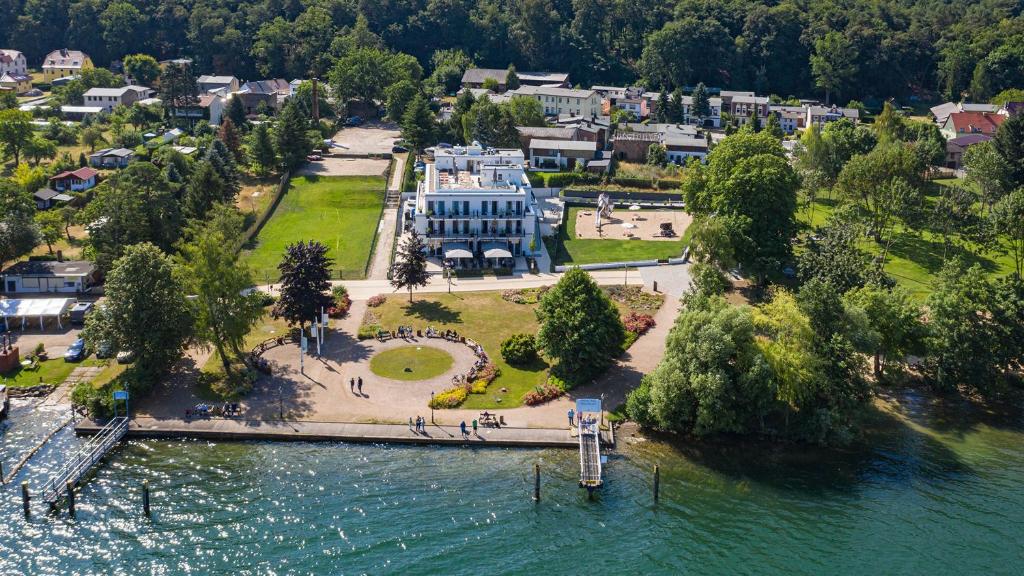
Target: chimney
60,255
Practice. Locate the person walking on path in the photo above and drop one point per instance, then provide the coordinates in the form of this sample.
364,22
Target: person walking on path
572,416
359,385
410,422
462,426
352,385
474,428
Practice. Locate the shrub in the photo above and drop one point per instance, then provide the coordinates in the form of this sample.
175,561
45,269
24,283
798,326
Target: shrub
638,323
558,383
339,291
368,331
342,302
488,373
479,387
519,349
633,182
377,300
541,394
450,398
265,299
40,350
635,298
630,340
524,295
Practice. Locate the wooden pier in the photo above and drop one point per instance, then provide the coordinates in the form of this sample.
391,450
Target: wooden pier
75,467
590,455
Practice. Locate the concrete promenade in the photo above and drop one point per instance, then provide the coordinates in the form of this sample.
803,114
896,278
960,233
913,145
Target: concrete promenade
307,431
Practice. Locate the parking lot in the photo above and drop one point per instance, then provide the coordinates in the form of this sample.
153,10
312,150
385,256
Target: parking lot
370,139
344,166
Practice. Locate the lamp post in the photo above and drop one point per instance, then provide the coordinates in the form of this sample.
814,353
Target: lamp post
431,406
448,273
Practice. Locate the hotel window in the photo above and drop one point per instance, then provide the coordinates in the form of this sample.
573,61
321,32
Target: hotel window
430,206
440,207
483,208
465,207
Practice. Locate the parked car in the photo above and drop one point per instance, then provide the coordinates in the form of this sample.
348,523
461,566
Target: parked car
75,352
104,350
314,157
443,145
79,311
353,121
125,357
399,149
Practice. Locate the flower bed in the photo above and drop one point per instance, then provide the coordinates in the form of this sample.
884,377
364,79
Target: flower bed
635,297
377,300
638,323
541,394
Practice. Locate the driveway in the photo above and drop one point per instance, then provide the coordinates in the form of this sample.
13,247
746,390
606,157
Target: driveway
344,166
375,138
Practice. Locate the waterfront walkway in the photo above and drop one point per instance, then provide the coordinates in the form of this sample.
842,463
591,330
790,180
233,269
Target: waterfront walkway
305,430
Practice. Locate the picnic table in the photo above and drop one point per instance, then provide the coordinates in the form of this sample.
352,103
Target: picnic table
488,419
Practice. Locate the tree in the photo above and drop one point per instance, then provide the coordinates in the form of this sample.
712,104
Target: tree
662,108
448,67
15,132
511,78
228,134
398,97
701,107
1008,216
833,63
675,107
68,217
835,257
1009,142
261,149
987,170
868,179
223,308
236,111
19,233
123,25
713,377
418,123
305,283
410,268
773,127
178,88
50,227
142,68
91,136
894,319
365,72
579,326
145,311
38,149
291,138
204,189
524,111
685,51
657,155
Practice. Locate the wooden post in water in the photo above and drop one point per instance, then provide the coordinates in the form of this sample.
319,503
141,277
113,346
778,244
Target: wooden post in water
145,497
657,481
25,497
71,499
2,474
536,482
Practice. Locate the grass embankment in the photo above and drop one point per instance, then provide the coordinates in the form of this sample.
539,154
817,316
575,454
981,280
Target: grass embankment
916,255
488,319
52,371
411,363
566,249
341,212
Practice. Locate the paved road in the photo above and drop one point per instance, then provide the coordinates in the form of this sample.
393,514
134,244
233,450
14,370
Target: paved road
386,227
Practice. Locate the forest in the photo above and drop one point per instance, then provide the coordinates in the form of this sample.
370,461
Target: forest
854,49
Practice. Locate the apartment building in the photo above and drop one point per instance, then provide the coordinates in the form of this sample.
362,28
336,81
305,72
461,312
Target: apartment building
563,101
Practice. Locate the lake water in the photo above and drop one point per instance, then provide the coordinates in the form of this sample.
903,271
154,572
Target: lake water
935,496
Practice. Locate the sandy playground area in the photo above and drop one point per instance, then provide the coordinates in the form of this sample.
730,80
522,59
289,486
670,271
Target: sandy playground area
626,225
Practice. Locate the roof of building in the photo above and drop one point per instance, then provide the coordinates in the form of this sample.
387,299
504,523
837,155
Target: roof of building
736,93
204,79
116,92
822,110
553,91
548,132
9,55
575,145
84,173
119,152
206,100
479,75
51,268
684,141
81,109
19,78
65,58
270,86
45,194
975,121
749,98
969,140
977,107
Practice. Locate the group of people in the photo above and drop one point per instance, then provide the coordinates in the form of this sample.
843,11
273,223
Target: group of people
432,332
226,409
356,383
578,419
421,425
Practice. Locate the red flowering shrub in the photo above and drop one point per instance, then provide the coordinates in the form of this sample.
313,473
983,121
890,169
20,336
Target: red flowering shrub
638,323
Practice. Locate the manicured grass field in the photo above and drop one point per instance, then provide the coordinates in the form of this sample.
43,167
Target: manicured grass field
342,212
52,371
566,249
915,257
411,363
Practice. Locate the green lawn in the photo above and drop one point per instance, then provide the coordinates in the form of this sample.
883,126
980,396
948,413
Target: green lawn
915,257
341,212
411,363
566,249
53,371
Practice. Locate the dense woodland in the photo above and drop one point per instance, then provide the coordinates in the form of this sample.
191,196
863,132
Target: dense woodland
857,49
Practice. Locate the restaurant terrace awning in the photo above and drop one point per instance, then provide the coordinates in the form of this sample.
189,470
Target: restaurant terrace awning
457,250
33,308
496,250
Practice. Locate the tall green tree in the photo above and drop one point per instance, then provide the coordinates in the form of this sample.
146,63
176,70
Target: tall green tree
178,88
511,78
19,233
701,103
291,138
15,132
579,326
1008,215
236,111
50,227
305,283
261,149
895,320
1009,142
418,126
143,68
410,268
833,63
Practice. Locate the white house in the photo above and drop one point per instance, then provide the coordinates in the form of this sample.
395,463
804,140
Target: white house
475,207
110,98
559,101
741,106
560,154
111,158
12,62
821,115
210,83
30,276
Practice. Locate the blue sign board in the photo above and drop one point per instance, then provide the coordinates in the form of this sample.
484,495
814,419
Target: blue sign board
120,395
592,405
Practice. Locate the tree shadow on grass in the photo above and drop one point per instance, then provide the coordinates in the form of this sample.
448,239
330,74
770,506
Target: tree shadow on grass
431,311
928,253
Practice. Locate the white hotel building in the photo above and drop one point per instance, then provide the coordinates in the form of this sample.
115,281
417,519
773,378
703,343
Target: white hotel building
475,207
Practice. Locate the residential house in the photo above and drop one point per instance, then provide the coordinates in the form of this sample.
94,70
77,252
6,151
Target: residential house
167,137
592,131
110,98
271,92
629,98
47,198
821,115
39,277
678,148
210,106
475,206
942,111
561,155
18,83
528,133
633,146
680,141
791,118
211,83
13,62
742,105
727,97
568,101
476,77
111,158
64,63
956,147
74,180
962,123
714,120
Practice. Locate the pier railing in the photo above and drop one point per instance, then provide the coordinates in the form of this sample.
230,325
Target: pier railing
81,461
590,455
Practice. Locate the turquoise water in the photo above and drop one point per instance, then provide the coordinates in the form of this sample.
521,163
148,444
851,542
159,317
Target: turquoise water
936,496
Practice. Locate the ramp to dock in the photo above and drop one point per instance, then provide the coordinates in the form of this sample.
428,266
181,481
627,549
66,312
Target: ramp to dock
76,466
590,455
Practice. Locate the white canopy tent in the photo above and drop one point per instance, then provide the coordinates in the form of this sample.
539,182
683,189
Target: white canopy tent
457,250
496,250
40,308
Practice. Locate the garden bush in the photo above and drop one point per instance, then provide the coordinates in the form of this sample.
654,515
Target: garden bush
479,387
342,303
450,398
265,299
635,297
638,323
519,349
377,300
541,394
368,331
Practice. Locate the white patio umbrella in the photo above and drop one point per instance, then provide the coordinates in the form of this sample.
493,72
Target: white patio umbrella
634,207
629,225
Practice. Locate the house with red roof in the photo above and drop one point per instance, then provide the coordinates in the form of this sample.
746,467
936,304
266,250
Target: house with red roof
964,123
956,147
74,180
